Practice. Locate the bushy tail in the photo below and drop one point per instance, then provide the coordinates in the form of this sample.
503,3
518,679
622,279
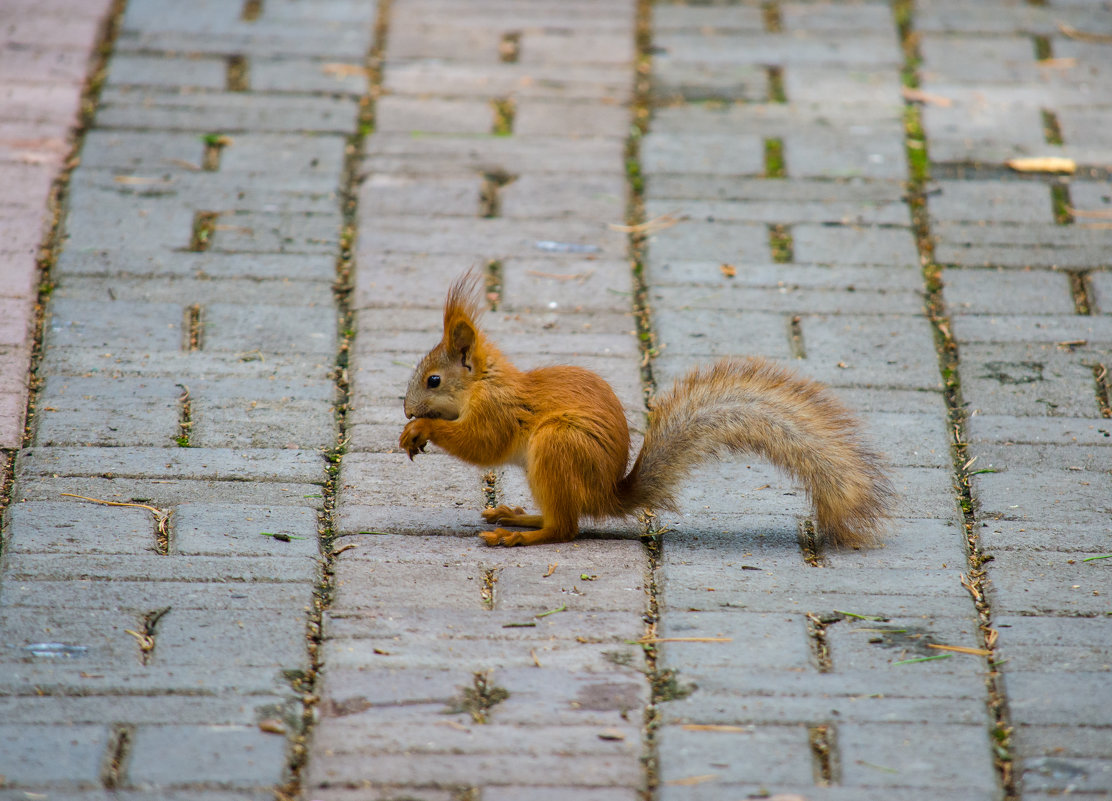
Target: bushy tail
754,406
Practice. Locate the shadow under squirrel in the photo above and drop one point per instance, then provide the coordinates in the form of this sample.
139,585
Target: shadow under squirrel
565,426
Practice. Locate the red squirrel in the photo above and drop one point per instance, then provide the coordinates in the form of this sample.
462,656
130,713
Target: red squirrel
565,426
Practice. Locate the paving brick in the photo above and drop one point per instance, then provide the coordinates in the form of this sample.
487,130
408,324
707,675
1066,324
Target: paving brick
210,529
1073,699
417,116
146,566
766,754
953,756
711,153
232,756
68,527
1027,379
849,245
1048,582
88,411
1004,292
34,756
231,112
565,81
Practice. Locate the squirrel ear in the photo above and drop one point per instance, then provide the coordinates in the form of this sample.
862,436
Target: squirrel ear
461,340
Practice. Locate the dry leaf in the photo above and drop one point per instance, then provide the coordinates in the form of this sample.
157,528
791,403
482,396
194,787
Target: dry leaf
343,70
715,727
959,649
1083,36
551,570
693,780
272,726
926,98
728,270
611,734
1054,164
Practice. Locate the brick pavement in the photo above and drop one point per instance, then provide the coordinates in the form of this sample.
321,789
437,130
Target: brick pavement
207,223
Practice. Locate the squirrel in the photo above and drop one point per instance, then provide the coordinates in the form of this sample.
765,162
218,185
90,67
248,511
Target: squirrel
565,426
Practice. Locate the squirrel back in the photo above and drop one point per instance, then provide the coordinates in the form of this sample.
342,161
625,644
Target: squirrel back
566,428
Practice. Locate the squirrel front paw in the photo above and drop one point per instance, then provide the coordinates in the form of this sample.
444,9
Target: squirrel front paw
415,436
503,512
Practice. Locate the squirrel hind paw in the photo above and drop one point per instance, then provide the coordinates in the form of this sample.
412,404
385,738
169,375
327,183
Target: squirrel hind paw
501,536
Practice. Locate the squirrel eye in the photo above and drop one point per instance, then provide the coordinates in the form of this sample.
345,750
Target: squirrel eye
432,382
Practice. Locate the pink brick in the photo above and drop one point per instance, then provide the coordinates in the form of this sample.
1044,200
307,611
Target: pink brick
25,185
45,104
63,30
19,274
15,321
12,407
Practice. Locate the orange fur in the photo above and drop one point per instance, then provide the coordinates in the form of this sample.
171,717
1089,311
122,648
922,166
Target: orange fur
566,428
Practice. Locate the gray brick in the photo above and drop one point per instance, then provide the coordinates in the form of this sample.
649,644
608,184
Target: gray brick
437,770
34,756
68,527
232,756
785,299
711,335
752,48
697,81
307,75
765,754
721,242
1044,645
228,112
458,79
140,597
756,203
873,17
1007,455
1009,328
270,329
242,638
1027,379
412,115
710,153
590,286
490,238
1039,430
88,411
1038,495
589,198
1048,582
152,567
1074,699
115,325
755,641
849,245
166,264
209,529
393,153
126,69
1054,534
990,201
190,291
175,463
952,756
864,151
1006,292
784,277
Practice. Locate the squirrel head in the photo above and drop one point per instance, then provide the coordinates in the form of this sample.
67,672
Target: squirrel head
442,381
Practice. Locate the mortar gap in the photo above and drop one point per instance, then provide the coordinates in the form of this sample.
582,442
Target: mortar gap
490,199
776,93
809,543
185,418
509,47
214,150
487,588
822,738
1043,49
771,17
820,647
236,72
204,224
1060,203
193,327
795,339
492,283
1079,288
774,166
114,771
1100,379
251,11
781,244
1052,129
505,108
